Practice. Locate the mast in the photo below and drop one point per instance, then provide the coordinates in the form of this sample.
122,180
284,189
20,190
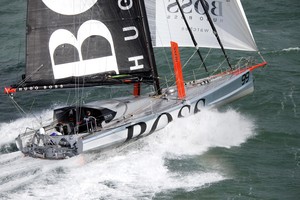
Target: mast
214,31
93,51
191,34
150,48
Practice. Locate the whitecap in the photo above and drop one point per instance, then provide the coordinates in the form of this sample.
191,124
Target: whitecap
291,49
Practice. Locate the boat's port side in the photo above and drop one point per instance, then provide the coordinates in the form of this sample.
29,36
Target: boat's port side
146,115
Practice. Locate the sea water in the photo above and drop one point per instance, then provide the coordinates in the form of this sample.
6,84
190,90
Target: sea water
249,149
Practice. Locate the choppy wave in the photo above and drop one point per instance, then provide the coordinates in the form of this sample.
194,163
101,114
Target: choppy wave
291,49
285,50
138,170
9,131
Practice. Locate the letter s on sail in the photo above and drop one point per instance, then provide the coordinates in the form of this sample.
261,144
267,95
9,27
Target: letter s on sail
69,7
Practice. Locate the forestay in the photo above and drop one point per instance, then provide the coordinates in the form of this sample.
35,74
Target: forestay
166,24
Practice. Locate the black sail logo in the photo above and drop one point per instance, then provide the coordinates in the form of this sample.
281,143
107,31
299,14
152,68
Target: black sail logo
82,67
76,38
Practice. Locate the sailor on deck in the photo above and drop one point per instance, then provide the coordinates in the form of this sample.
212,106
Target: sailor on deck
90,121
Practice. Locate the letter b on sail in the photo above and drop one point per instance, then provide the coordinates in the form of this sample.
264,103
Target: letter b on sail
83,66
69,7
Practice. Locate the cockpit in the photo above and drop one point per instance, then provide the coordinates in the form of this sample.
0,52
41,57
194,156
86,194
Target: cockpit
71,120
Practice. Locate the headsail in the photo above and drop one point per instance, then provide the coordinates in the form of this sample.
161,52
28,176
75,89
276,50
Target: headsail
67,39
228,16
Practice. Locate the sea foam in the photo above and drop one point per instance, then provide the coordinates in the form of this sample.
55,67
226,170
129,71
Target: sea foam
138,170
291,49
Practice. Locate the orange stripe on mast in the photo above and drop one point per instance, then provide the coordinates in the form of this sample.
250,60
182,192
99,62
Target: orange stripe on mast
178,70
137,89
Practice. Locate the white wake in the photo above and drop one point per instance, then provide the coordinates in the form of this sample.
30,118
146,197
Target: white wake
137,170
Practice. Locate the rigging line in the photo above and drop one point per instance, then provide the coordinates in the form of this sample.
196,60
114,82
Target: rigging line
193,56
192,35
167,23
245,62
166,56
17,106
205,7
165,53
208,53
19,55
23,81
215,71
68,97
150,53
239,63
190,58
22,111
171,79
32,105
261,56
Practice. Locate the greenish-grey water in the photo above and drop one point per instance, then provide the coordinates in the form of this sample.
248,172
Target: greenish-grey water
249,149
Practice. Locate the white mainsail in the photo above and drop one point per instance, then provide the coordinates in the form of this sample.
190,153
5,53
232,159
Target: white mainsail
167,25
